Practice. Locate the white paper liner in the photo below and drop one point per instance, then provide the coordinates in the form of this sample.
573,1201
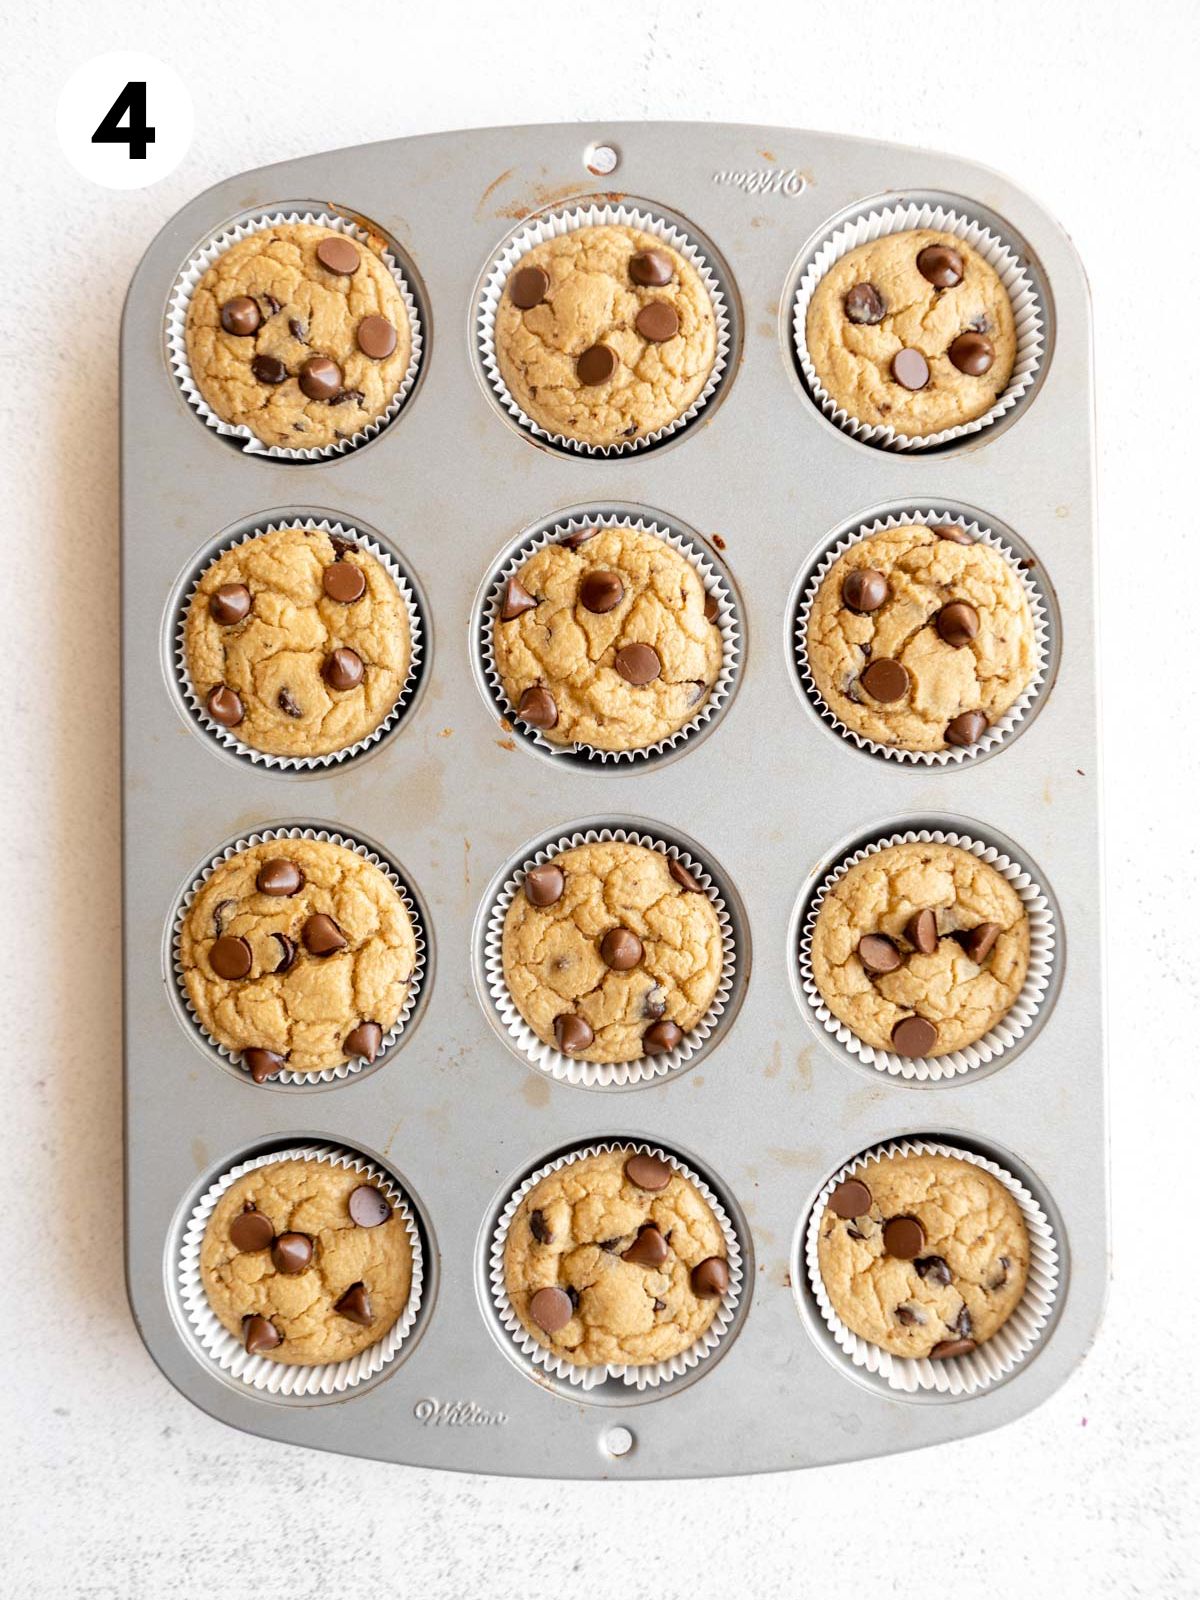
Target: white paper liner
595,1074
344,1069
1027,314
228,736
999,731
1009,1345
727,620
654,1374
177,310
553,226
1043,940
256,1371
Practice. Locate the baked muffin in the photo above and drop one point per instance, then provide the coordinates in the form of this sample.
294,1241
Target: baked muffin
615,1259
304,1262
607,639
300,334
913,331
920,948
297,953
611,951
604,334
297,642
921,638
923,1255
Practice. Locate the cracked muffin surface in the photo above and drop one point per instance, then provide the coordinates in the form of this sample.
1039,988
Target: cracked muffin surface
877,970
877,302
592,298
283,298
952,614
938,1288
601,1270
297,948
297,1287
622,963
618,678
267,622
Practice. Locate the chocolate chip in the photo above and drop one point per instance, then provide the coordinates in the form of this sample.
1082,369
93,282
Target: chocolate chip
655,1002
596,365
363,1042
355,1306
964,1327
229,604
711,607
651,268
958,623
914,1036
551,1309
539,1227
298,330
952,532
376,337
279,877
338,254
320,378
910,368
580,536
864,589
921,932
851,1198
649,1249
572,1033
660,1305
660,1038
601,592
263,1064
1000,1276
620,949
292,1253
953,1347
527,287
344,582
368,1206
346,394
864,303
517,599
638,664
220,911
240,316
977,942
537,707
933,1269
903,1237
343,669
258,1335
225,706
268,369
269,304
250,1231
972,353
322,936
878,954
231,957
288,704
966,729
711,1278
910,1317
683,877
647,1172
940,265
287,952
885,680
544,885
657,322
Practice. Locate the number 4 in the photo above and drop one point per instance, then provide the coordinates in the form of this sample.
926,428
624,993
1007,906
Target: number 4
131,103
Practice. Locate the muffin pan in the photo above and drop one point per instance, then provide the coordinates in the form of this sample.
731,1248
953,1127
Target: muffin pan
768,792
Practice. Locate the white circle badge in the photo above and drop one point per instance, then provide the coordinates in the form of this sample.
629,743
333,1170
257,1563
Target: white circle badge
125,119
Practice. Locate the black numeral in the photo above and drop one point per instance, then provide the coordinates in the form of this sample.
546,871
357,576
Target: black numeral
131,103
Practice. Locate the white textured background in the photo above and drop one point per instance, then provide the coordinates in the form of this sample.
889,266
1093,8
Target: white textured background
113,1486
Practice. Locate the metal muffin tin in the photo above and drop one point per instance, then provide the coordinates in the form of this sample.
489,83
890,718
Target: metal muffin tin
776,796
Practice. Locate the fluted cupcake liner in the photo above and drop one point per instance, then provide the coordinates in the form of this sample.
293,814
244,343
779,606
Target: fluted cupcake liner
553,226
997,733
727,619
1012,1341
595,1074
214,1341
227,737
653,1375
198,265
1012,1026
1001,257
344,1069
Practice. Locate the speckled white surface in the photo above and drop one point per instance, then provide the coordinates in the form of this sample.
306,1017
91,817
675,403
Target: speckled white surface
115,1488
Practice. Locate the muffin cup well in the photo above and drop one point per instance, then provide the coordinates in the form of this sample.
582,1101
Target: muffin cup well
227,737
655,1374
728,621
1017,1020
552,226
217,1344
1028,315
997,1356
999,732
596,1074
344,1069
181,297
